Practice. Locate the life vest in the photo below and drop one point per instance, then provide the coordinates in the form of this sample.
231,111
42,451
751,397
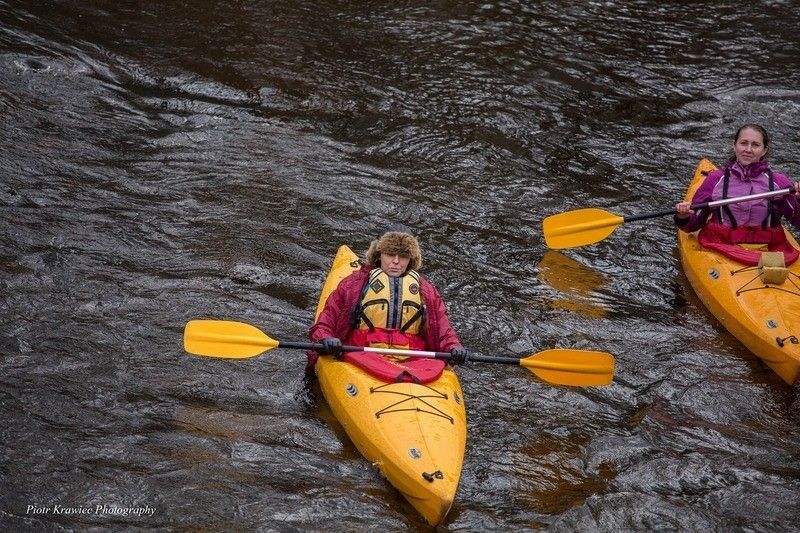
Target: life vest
727,213
390,313
726,239
391,303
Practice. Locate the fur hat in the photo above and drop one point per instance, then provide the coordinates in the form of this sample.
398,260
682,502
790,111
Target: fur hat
395,242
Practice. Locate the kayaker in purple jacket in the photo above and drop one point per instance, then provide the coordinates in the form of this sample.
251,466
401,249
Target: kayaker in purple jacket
758,221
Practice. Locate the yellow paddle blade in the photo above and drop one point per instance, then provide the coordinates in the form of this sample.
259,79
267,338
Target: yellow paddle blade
226,339
579,227
577,368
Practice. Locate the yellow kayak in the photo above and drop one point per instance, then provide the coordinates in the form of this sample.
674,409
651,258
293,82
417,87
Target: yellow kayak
415,434
760,310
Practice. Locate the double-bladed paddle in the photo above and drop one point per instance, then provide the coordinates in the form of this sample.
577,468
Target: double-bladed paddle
237,340
588,226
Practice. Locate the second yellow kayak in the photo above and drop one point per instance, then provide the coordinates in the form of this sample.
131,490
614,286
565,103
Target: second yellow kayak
759,310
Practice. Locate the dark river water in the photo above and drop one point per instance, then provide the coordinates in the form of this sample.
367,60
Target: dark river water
163,161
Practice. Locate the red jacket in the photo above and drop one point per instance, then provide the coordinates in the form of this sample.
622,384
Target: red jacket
336,319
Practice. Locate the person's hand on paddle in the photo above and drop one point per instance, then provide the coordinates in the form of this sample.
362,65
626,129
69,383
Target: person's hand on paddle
332,346
797,188
682,210
459,356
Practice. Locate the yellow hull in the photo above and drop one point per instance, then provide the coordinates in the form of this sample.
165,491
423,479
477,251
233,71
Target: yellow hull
415,434
764,317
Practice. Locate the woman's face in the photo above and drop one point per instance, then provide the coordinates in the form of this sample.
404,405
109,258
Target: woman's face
749,147
393,264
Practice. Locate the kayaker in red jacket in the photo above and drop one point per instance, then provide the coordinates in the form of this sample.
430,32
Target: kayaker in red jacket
758,221
386,303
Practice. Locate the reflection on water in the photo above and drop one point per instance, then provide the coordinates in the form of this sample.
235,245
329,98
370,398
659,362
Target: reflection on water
577,284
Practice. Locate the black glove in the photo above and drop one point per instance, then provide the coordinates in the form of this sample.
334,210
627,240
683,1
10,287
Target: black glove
459,356
332,346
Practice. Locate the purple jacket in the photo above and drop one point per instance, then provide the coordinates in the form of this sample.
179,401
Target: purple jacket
751,179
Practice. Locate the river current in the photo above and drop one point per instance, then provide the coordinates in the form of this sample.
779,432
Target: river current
164,161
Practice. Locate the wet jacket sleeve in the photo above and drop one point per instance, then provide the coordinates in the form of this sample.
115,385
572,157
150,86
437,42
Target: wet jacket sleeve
788,205
439,333
334,320
701,195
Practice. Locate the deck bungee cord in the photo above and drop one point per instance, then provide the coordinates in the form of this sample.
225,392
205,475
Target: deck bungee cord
409,397
791,276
